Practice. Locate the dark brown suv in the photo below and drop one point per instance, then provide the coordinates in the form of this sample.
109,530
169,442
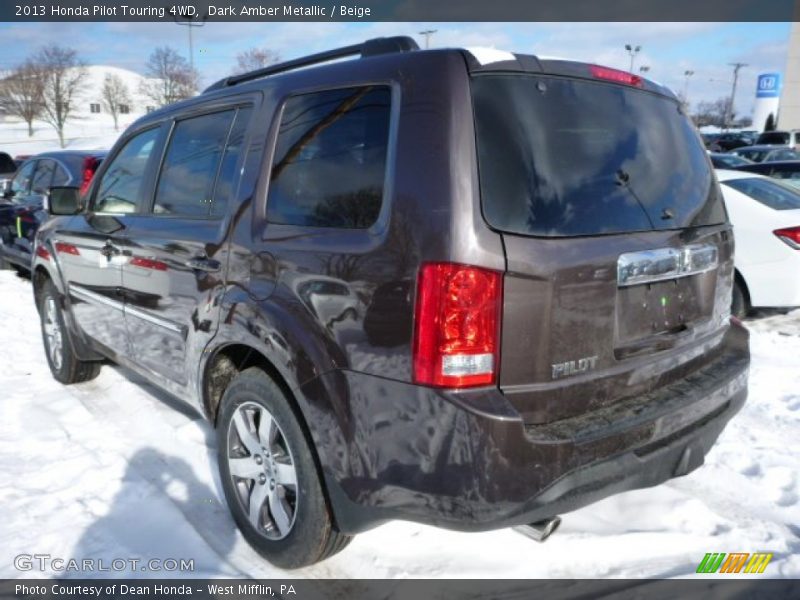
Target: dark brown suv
467,288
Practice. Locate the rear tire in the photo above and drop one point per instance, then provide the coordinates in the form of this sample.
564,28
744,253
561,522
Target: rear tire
269,476
64,364
740,307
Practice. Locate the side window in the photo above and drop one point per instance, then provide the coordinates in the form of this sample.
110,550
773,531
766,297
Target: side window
60,177
330,159
186,184
43,176
120,190
21,184
226,182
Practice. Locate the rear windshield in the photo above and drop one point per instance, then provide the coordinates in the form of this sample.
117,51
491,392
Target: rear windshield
776,196
566,157
774,137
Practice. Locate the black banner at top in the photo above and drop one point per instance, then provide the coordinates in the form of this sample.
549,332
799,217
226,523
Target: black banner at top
399,10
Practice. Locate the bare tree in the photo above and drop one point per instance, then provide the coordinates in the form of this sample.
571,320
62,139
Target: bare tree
170,78
63,80
21,93
255,58
115,94
712,113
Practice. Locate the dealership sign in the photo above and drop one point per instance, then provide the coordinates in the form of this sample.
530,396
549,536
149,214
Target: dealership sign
769,85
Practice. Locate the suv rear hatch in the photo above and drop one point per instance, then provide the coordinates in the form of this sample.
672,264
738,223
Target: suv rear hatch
619,254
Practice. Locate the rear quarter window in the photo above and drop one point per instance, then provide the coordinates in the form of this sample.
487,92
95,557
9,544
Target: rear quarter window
569,157
330,159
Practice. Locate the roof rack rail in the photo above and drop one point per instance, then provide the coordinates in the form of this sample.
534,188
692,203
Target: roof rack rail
373,47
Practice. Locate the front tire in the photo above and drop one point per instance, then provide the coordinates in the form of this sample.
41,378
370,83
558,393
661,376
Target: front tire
64,364
269,476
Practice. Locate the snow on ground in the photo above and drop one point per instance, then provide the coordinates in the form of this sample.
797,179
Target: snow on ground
114,468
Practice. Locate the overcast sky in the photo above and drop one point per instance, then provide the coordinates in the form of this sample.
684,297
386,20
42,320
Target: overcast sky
669,49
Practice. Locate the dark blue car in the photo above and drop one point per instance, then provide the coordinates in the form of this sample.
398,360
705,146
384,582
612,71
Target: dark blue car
22,202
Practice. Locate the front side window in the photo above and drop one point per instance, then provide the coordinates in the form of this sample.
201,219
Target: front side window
186,184
330,159
21,184
60,177
43,176
121,189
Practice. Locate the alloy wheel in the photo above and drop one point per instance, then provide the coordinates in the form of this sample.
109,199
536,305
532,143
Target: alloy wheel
263,470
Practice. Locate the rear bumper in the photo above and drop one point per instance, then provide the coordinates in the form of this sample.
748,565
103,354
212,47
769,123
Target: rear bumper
467,462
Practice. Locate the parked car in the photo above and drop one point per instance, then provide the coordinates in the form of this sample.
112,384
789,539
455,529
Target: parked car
709,139
7,166
725,142
766,223
767,153
556,323
722,160
21,158
21,206
788,171
780,138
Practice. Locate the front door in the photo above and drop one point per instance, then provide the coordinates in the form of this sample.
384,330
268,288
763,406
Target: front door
93,246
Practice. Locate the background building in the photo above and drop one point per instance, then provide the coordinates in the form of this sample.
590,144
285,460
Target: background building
789,117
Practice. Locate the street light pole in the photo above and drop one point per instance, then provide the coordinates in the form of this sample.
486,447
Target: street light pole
428,33
188,22
633,51
729,108
688,73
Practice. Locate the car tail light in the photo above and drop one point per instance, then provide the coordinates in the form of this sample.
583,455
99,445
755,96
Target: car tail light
90,164
790,235
457,325
42,252
64,248
615,75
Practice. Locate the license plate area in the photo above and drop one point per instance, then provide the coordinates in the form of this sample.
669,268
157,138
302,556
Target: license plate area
664,291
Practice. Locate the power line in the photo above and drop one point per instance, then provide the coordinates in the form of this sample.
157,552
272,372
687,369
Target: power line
729,107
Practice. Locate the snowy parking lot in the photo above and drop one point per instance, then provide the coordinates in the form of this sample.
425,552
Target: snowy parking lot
115,468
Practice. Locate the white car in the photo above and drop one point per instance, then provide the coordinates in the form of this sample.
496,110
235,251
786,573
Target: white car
765,214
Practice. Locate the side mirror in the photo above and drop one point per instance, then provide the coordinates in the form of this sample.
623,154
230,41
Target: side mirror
5,188
63,201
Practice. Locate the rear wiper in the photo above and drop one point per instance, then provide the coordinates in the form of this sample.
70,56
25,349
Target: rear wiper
623,179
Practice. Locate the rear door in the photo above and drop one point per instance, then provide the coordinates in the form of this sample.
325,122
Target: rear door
92,246
618,250
174,278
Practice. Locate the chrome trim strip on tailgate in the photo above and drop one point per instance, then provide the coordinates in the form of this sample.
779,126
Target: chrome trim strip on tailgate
649,266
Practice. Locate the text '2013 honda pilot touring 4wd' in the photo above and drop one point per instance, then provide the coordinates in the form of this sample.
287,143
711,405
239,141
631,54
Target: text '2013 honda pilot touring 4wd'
467,288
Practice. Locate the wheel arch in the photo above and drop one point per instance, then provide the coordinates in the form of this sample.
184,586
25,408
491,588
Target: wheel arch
739,278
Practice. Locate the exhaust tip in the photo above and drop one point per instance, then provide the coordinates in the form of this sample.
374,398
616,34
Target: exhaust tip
540,530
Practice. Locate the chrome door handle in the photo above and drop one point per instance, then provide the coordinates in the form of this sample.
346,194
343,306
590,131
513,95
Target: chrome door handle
200,263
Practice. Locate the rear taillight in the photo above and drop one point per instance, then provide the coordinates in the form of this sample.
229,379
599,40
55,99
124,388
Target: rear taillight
457,325
90,164
42,252
615,75
790,235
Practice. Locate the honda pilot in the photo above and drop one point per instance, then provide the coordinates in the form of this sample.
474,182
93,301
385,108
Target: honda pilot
467,288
